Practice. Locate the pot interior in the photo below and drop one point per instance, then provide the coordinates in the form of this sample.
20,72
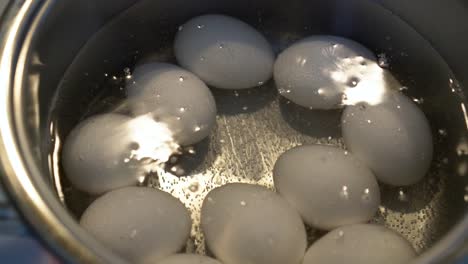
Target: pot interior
83,50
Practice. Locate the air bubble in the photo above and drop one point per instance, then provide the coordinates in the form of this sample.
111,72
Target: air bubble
418,100
181,79
402,196
197,128
344,97
221,46
382,60
245,108
344,192
366,195
243,203
403,88
134,146
200,26
142,180
127,73
194,187
173,159
182,109
181,28
340,234
177,170
353,82
442,132
191,150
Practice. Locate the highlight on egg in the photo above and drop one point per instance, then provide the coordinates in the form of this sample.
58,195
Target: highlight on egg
245,223
188,259
327,185
92,160
360,244
175,97
142,225
110,151
319,71
393,138
224,52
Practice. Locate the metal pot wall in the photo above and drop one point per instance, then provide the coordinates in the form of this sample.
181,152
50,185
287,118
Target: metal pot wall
54,54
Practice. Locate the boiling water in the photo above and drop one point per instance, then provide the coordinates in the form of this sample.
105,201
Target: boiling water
255,126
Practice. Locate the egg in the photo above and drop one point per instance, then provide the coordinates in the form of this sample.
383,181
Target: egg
142,225
327,185
393,138
224,52
245,223
175,97
188,259
317,71
94,154
360,244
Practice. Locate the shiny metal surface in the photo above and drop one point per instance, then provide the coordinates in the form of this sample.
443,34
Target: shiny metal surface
31,192
254,127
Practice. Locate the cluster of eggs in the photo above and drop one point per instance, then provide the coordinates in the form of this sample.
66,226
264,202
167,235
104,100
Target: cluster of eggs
387,137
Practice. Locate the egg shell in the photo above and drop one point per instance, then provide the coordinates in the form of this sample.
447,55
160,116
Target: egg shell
94,152
142,225
188,259
393,138
360,244
316,71
173,96
224,52
327,185
245,223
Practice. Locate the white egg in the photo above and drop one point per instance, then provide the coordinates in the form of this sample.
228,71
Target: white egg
142,225
360,244
94,154
175,97
224,52
188,259
392,137
246,223
316,71
327,185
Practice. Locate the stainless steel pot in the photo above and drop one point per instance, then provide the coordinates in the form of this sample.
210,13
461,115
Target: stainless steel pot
54,54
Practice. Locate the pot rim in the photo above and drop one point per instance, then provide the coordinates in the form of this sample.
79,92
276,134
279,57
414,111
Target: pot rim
21,176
